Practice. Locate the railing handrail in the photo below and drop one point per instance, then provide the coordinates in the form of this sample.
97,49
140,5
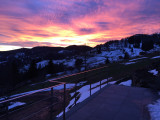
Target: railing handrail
54,80
51,87
8,100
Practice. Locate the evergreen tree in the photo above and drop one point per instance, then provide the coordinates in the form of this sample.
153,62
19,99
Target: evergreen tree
107,61
15,73
136,45
147,44
32,70
132,50
61,67
126,55
50,67
78,64
99,51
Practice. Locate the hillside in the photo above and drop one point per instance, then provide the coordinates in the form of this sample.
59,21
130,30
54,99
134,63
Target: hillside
28,66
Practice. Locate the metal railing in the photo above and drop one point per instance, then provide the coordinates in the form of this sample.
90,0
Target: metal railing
48,103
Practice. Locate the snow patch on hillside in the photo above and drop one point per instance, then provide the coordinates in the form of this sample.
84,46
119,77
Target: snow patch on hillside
155,57
15,104
135,52
68,86
42,64
137,59
128,63
3,62
154,72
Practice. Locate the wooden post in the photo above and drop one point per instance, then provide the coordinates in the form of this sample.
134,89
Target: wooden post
51,103
75,102
64,103
90,89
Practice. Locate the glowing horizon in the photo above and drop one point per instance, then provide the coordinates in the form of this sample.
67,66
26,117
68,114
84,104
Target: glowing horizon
30,23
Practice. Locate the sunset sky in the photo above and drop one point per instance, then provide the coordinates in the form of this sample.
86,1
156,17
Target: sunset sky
29,23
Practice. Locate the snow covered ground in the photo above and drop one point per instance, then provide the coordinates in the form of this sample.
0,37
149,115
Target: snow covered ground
42,64
126,83
3,62
155,57
15,104
68,86
154,110
137,59
128,63
154,72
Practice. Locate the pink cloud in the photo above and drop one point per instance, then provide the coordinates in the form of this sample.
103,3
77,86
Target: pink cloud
75,21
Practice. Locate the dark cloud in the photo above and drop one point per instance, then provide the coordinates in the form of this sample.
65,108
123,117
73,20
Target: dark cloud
38,33
27,43
98,40
103,25
86,30
2,35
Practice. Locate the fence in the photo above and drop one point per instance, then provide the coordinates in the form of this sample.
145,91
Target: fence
50,102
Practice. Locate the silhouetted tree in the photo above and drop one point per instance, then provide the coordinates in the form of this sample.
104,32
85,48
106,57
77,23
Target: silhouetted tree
126,55
61,67
107,61
50,67
32,72
99,51
15,73
78,64
136,45
147,44
132,50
